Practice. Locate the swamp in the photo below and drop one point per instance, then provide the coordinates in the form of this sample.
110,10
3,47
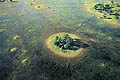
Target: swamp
26,24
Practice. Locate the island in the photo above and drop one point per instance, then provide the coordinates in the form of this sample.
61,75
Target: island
40,6
66,45
108,11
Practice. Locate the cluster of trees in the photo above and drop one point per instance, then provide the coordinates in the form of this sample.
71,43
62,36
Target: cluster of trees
66,42
108,9
8,0
102,7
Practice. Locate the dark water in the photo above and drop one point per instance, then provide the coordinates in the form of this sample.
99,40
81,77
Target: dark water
32,60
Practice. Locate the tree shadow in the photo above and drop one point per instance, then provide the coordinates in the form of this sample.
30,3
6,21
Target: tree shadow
77,44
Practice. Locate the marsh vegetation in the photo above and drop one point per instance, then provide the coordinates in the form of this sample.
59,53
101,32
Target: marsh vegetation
108,11
24,55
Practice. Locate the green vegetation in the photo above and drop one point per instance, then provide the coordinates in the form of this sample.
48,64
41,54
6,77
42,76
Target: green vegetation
33,60
59,43
6,20
109,9
31,30
40,6
2,30
16,37
102,65
68,43
13,49
20,14
26,60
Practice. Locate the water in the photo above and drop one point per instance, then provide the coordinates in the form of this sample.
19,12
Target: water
32,60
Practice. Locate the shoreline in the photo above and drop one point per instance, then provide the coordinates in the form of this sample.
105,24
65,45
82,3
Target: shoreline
87,7
77,53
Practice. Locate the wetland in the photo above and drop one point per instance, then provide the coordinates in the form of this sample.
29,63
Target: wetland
27,24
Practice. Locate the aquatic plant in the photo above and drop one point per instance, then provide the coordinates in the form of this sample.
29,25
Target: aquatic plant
13,49
16,37
24,61
30,30
53,10
2,30
24,51
21,15
102,65
6,20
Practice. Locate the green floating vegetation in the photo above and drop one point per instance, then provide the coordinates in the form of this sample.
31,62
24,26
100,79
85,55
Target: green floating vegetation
6,20
102,65
53,10
16,37
25,61
23,51
31,30
13,49
21,14
2,30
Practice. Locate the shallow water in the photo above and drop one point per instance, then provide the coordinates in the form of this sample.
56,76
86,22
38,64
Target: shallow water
101,60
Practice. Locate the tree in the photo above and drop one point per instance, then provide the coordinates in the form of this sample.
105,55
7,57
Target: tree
99,7
56,41
107,6
117,17
112,2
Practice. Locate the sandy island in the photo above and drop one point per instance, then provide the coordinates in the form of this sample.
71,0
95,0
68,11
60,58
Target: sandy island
70,54
88,6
